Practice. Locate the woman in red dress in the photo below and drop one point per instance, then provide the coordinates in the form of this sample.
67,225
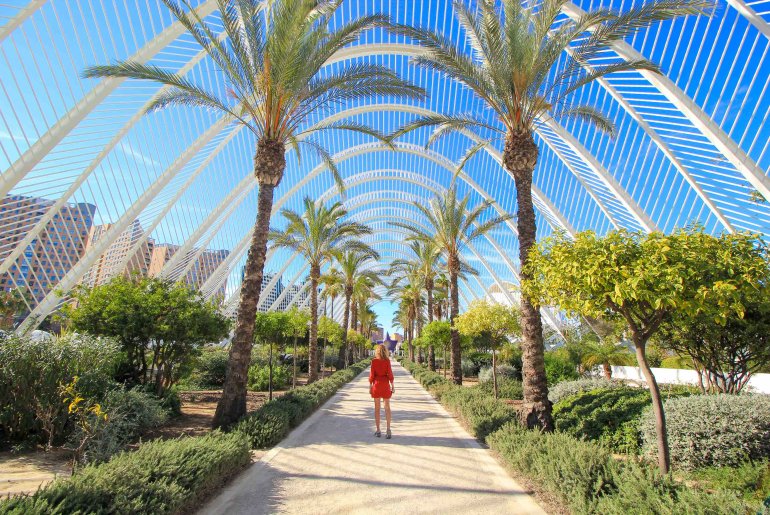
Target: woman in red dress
381,386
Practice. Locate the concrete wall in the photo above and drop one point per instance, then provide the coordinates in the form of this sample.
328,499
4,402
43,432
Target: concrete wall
759,383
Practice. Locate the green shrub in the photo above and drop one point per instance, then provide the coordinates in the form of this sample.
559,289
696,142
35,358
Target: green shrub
210,368
712,430
585,477
269,424
751,480
32,374
504,371
559,367
130,413
569,388
469,368
259,376
169,476
479,411
506,388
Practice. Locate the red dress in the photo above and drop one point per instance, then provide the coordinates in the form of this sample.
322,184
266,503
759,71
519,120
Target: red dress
380,376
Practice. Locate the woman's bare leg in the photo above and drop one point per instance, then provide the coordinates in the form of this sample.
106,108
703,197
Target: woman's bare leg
377,413
387,413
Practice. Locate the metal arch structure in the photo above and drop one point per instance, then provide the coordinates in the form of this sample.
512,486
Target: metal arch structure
692,146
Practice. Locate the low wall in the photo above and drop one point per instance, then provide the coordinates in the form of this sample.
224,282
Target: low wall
759,383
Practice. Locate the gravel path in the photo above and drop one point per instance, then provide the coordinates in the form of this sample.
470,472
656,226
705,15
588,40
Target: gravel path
332,463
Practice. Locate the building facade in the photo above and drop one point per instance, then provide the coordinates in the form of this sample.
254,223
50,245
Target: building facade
52,253
119,258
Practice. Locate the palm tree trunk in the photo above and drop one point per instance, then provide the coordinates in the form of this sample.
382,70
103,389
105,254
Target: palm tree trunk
454,309
494,372
232,404
664,461
294,364
431,349
342,361
312,353
607,370
520,157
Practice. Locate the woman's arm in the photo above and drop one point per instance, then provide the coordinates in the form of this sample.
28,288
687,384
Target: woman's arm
371,373
391,378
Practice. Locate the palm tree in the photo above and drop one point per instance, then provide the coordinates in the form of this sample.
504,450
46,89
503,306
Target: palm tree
606,354
440,296
525,66
368,321
453,226
351,263
270,68
333,285
425,263
317,234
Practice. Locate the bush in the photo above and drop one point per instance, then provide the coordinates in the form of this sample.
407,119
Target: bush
470,369
269,424
503,372
169,476
506,388
585,477
259,377
130,413
481,413
559,367
718,430
33,373
569,388
750,480
210,368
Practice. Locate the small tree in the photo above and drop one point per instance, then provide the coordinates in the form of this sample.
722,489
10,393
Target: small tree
296,326
647,279
492,323
606,353
331,332
438,333
270,329
11,305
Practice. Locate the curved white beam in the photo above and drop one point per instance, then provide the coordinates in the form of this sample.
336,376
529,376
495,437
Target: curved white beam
751,15
20,17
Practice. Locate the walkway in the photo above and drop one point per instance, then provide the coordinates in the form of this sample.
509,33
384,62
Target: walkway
332,463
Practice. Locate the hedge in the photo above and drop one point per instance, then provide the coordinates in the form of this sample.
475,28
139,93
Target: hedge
269,424
170,476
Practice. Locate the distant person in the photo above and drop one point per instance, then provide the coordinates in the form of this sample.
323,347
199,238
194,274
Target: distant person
381,386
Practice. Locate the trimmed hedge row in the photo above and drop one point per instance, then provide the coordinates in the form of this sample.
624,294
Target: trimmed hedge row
169,476
582,474
269,424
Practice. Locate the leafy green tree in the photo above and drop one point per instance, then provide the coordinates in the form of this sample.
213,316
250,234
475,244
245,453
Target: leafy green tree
11,305
438,333
160,325
352,263
296,325
273,84
525,66
270,328
317,235
452,226
495,323
648,280
331,333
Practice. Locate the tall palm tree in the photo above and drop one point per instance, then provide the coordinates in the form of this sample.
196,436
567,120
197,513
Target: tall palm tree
453,226
332,282
408,294
525,66
440,296
351,263
317,234
368,321
269,66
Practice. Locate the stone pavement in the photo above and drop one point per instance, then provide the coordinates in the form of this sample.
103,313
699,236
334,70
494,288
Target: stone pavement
332,463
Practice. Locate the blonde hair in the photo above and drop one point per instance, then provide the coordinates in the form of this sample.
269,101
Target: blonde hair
381,352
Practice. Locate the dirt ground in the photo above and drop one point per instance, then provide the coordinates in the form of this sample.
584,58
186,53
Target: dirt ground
26,472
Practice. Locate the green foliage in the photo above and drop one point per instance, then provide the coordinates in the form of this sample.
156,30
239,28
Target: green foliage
11,305
504,371
32,374
269,424
210,368
586,478
609,416
496,322
438,333
713,430
331,331
508,388
559,367
569,388
161,477
159,324
259,376
751,480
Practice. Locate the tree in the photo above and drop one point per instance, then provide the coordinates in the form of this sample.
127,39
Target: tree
317,235
495,323
11,305
152,319
351,264
525,65
332,282
438,332
270,329
452,226
271,65
648,280
605,353
296,326
331,333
